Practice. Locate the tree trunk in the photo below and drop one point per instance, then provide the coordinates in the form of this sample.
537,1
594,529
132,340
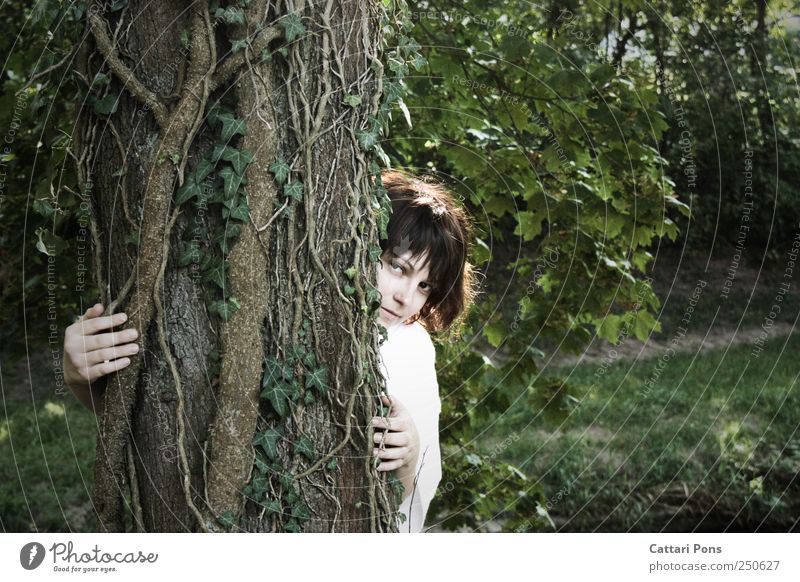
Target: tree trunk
240,272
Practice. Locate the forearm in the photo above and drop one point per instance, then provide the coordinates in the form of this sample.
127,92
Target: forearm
91,396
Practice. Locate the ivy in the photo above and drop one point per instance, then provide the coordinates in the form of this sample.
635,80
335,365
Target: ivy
292,26
294,190
304,446
268,441
280,169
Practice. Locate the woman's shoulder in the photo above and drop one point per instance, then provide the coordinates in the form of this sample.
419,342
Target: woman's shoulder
422,337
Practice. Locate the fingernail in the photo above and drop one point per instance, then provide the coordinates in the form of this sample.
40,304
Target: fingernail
123,317
126,361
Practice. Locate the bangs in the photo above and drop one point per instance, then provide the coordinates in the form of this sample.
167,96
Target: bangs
426,221
418,225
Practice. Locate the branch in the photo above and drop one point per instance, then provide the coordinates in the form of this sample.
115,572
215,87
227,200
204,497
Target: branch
142,93
231,65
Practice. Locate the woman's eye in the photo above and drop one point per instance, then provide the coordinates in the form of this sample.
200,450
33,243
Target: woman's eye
427,288
397,266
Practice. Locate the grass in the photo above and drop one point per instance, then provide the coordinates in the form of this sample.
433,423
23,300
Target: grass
713,445
46,459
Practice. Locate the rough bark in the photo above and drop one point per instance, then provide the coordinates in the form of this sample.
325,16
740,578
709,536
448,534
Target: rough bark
176,437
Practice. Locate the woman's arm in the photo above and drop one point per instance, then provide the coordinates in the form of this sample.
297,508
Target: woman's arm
90,356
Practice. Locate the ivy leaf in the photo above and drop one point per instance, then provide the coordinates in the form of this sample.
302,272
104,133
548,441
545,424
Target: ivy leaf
294,190
291,526
203,169
259,485
217,275
278,394
332,464
107,105
238,44
231,126
292,26
305,447
231,15
43,207
300,511
225,309
240,211
318,379
99,79
375,253
232,181
280,169
367,139
352,100
191,188
268,440
272,506
238,158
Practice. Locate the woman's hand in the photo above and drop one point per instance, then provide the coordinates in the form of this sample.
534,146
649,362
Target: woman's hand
398,446
89,355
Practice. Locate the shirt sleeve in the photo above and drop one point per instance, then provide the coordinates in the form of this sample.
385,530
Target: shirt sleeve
428,471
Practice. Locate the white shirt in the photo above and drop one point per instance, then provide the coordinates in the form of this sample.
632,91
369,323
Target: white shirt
408,361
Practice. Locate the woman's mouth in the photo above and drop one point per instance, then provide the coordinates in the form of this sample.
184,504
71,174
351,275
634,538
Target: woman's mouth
390,313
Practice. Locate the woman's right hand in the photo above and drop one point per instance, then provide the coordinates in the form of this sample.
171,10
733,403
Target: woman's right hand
89,355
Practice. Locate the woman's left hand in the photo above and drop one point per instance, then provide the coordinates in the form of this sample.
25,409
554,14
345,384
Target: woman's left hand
399,447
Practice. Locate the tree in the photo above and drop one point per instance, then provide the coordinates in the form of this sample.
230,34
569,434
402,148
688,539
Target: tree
226,151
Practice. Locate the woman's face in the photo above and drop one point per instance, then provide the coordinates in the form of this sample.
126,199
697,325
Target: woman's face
403,286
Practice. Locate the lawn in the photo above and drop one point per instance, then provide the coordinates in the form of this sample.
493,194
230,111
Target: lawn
712,445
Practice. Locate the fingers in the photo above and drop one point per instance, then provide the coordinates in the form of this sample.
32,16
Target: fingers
392,453
390,465
395,423
393,439
107,340
112,353
89,326
393,403
104,368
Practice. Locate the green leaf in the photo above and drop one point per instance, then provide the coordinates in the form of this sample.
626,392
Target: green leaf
305,447
351,273
203,169
225,309
375,253
332,465
272,506
294,190
292,26
259,485
231,126
367,139
48,243
495,333
99,80
107,105
268,440
238,45
300,511
352,100
278,393
232,181
238,158
318,379
240,211
280,169
43,207
231,15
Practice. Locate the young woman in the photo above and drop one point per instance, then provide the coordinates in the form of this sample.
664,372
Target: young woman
426,285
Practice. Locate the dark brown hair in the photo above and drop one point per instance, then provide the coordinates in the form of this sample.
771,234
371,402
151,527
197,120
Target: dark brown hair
426,219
